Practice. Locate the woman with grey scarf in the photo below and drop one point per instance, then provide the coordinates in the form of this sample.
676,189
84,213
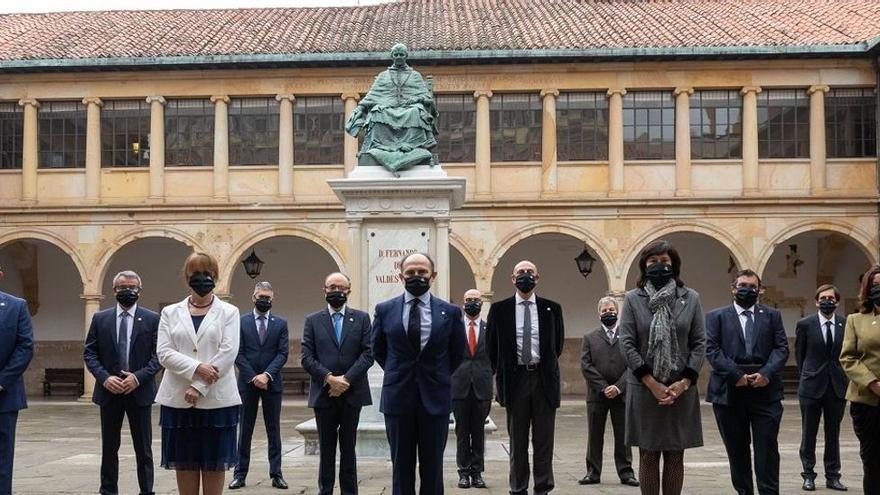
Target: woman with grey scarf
663,344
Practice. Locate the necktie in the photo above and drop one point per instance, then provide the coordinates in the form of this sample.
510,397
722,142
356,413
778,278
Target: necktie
611,336
829,339
527,333
750,332
122,341
337,326
472,338
414,326
261,329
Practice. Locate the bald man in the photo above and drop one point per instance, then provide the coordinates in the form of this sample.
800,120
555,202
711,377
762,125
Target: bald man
472,395
525,335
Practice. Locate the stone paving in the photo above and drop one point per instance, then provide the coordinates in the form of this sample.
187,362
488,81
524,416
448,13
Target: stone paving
58,452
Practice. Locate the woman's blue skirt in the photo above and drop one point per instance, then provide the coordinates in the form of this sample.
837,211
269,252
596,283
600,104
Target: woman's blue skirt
199,439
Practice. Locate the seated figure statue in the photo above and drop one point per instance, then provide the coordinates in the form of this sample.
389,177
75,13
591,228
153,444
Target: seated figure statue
397,117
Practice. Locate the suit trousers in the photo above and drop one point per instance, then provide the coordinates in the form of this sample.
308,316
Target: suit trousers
422,436
528,410
140,425
866,423
742,422
470,433
338,422
597,415
7,450
250,399
812,410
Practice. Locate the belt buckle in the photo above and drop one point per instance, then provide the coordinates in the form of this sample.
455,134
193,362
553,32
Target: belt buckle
531,367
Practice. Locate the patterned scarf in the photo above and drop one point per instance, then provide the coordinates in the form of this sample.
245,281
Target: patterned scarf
662,341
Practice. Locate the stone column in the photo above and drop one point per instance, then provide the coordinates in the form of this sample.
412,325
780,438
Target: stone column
817,138
157,147
483,153
93,148
442,257
548,143
358,296
350,143
221,147
93,304
285,146
615,142
683,141
30,151
750,140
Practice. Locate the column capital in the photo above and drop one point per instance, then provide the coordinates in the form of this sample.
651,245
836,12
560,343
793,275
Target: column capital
156,99
29,101
90,100
354,222
441,222
546,92
351,96
683,90
614,91
216,98
287,96
750,89
483,92
819,87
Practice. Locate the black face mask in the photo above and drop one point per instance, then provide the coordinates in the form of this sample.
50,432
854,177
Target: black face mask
472,308
659,274
336,299
263,304
827,307
746,297
525,282
875,295
201,283
417,285
608,319
126,297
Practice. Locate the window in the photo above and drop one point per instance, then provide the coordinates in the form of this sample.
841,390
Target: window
62,134
783,124
189,132
11,130
253,131
850,125
125,133
515,122
318,130
457,126
649,125
582,126
716,124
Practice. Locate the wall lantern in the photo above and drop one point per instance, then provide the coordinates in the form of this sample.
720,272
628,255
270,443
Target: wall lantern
252,265
585,262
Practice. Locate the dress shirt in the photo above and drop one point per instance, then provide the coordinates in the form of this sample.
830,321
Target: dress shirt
467,324
742,317
130,311
536,349
822,321
611,333
257,316
333,310
424,312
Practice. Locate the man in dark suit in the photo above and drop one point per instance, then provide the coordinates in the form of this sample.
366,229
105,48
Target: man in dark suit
418,339
16,351
605,372
747,348
822,388
336,353
526,334
120,351
262,351
472,396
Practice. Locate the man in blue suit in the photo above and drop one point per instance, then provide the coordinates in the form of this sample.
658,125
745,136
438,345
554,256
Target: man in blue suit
120,351
16,351
747,348
262,352
419,341
336,353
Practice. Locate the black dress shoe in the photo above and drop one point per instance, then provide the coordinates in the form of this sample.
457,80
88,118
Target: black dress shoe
477,481
278,482
236,483
631,481
588,480
836,485
464,481
809,485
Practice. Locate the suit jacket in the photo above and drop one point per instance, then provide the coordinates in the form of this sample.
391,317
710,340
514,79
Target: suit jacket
322,354
102,357
726,351
475,370
602,365
16,351
181,349
412,374
860,357
817,370
501,328
269,357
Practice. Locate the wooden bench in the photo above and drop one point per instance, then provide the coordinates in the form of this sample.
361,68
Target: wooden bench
63,376
296,380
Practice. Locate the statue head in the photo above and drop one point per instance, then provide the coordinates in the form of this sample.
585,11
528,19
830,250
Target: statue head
399,53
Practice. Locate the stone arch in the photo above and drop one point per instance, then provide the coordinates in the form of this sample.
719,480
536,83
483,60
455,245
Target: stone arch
865,242
459,243
46,235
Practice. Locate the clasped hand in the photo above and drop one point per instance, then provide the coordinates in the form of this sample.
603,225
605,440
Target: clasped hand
667,395
754,380
121,386
208,373
338,385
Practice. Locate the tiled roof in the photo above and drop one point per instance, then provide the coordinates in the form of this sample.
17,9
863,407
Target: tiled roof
443,28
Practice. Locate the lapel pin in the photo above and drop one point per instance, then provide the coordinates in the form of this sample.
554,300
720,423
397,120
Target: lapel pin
443,312
2,304
351,319
548,309
140,319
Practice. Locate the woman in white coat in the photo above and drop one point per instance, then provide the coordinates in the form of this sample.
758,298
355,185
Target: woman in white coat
197,345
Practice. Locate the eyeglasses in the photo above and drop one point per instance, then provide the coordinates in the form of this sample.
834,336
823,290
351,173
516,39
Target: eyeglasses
336,288
133,288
